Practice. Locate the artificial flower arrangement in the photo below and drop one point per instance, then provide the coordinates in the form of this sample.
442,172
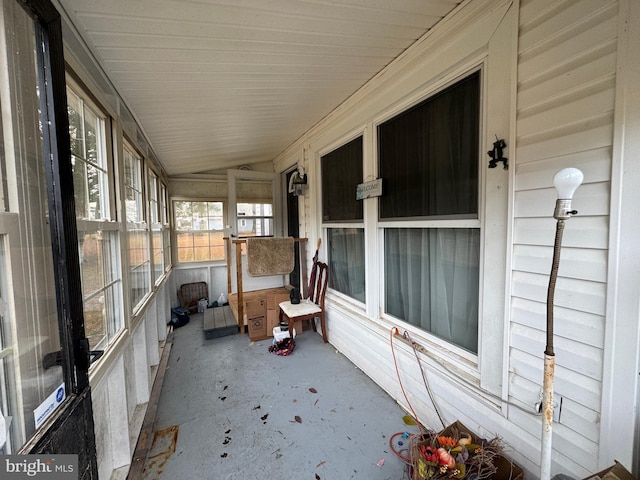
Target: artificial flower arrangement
456,453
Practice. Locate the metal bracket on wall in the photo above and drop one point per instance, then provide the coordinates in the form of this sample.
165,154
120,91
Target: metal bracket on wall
497,154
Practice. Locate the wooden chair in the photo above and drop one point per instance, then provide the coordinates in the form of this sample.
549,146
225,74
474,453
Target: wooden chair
312,307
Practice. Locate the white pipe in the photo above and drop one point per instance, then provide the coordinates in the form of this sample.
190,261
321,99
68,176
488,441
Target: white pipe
547,417
566,182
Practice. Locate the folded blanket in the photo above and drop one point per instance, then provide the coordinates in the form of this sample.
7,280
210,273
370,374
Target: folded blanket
270,256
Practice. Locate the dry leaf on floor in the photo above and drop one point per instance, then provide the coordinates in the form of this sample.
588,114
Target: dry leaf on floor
408,420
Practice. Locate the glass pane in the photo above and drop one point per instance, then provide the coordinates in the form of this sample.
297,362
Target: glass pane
185,254
94,184
80,187
254,209
167,246
217,245
200,226
429,155
90,178
347,262
93,136
158,254
201,240
255,227
8,400
99,272
31,313
92,261
432,281
76,124
134,205
139,262
341,174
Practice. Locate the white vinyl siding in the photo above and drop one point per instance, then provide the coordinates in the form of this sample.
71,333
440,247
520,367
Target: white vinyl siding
565,112
482,36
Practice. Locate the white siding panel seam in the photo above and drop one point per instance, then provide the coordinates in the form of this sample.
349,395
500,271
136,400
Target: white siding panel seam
568,32
557,71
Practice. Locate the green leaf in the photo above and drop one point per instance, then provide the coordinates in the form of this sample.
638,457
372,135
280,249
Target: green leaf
463,470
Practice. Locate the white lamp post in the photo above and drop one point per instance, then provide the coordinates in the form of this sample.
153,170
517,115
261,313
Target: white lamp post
566,182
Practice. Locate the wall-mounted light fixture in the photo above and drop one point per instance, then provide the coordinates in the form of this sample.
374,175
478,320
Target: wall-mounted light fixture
297,181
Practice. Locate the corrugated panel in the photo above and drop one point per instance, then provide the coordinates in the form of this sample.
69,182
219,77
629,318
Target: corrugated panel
225,83
566,88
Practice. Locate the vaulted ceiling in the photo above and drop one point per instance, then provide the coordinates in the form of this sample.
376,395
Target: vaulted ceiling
222,83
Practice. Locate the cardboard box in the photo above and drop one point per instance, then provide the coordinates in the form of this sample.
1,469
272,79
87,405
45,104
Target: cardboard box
615,472
257,327
506,469
274,299
255,308
272,319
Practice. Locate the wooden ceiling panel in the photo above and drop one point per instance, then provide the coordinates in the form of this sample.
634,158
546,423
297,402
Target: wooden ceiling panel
222,83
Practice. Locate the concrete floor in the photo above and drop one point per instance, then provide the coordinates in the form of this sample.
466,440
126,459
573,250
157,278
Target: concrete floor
228,410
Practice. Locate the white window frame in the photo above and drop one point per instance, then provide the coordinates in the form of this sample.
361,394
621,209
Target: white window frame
105,224
486,369
175,231
138,226
156,222
326,225
470,359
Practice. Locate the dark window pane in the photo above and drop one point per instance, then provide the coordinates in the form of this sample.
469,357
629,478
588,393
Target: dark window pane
341,174
429,155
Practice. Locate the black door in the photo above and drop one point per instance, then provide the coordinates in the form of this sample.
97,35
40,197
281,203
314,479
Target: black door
44,183
293,230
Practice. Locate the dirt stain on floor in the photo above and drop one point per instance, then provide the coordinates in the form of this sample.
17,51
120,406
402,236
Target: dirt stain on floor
162,448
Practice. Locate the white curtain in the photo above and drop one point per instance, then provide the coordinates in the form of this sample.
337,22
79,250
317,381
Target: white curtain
432,281
346,261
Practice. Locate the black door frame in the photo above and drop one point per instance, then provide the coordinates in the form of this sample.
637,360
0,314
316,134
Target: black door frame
72,430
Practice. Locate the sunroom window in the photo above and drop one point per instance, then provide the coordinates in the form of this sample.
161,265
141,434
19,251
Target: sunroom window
428,158
97,232
199,229
342,216
137,228
157,236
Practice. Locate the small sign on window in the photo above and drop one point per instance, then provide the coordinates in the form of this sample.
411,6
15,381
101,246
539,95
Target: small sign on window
46,408
369,189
